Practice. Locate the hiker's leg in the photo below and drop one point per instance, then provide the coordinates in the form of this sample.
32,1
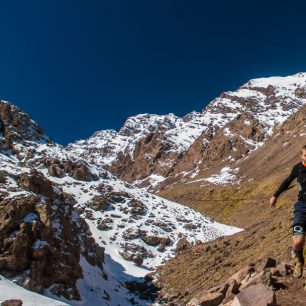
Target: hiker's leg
298,239
298,242
297,255
298,228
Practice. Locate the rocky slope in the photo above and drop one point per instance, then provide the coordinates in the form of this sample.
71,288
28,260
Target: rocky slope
158,151
73,231
243,204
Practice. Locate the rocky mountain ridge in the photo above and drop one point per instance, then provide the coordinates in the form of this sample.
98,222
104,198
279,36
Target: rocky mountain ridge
63,211
155,151
73,231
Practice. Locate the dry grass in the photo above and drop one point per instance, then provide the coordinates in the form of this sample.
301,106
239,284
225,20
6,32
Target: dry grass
267,233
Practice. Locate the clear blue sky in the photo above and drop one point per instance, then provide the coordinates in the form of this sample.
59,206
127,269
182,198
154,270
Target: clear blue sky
81,66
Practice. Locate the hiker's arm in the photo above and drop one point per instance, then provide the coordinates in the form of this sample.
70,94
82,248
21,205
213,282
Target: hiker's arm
286,183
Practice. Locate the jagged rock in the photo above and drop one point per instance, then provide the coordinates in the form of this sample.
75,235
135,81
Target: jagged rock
155,240
161,248
13,302
55,170
138,208
135,253
105,224
36,183
256,295
132,233
99,203
267,263
227,304
233,289
181,245
132,257
66,291
242,273
3,175
18,128
79,171
46,236
283,269
263,277
207,299
223,288
190,226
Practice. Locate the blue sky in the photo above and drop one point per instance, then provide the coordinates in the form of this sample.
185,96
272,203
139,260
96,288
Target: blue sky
81,66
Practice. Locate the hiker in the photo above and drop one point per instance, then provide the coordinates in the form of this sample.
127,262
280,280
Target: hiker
299,220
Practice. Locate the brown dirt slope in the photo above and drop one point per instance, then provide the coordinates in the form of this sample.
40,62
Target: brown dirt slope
267,234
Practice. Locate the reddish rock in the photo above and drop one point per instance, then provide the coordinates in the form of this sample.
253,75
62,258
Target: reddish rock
263,277
155,240
243,273
267,263
12,302
36,183
256,295
284,269
233,289
182,244
207,299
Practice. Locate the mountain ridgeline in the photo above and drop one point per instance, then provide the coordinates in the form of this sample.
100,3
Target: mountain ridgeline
156,212
155,151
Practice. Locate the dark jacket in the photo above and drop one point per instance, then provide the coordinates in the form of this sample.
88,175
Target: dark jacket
298,172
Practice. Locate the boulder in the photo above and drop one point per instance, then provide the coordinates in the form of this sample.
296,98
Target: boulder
242,274
12,302
284,269
155,240
267,263
207,299
256,295
233,289
36,183
55,170
264,277
181,245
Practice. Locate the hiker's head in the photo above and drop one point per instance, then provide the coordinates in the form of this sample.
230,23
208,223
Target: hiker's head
303,154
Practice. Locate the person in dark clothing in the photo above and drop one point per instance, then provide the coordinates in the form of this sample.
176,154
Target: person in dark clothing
299,221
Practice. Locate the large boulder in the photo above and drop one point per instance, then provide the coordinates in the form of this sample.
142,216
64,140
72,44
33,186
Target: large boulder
256,295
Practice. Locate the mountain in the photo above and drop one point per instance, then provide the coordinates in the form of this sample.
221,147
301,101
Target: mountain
243,204
73,231
80,224
157,151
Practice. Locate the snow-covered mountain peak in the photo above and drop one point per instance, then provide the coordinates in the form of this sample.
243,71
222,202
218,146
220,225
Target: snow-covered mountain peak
287,83
148,123
160,142
16,127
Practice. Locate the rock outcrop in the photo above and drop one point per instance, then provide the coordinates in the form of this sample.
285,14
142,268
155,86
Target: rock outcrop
42,237
249,286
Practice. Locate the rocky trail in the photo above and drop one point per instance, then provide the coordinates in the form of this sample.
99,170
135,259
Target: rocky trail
293,293
264,284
